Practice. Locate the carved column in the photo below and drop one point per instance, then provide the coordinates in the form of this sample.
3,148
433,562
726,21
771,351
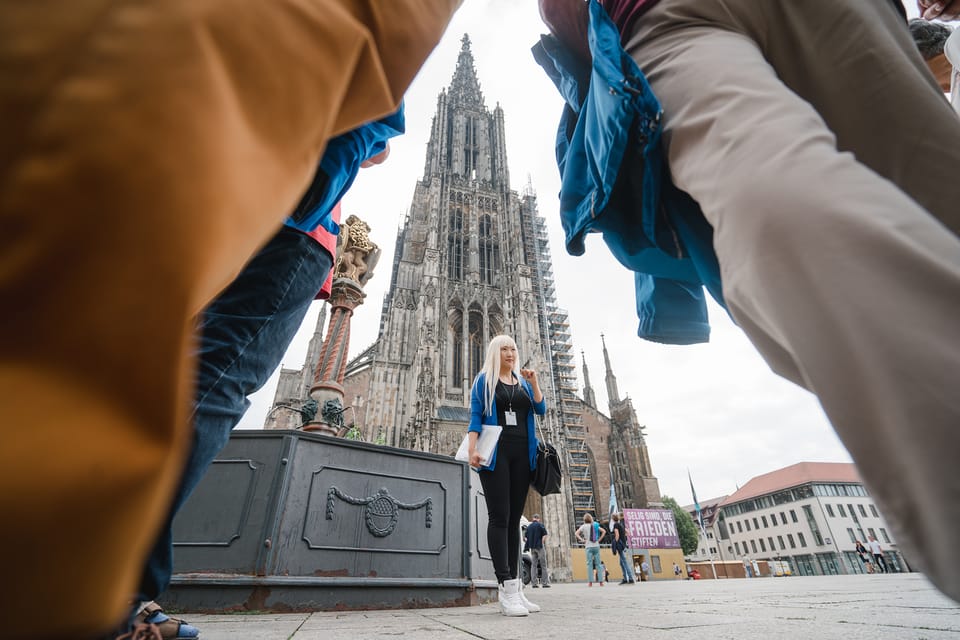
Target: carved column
345,296
356,257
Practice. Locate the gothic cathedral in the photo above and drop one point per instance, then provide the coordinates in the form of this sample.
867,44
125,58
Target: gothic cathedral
473,261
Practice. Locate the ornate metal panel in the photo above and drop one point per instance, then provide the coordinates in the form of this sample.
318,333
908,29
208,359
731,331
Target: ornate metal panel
310,515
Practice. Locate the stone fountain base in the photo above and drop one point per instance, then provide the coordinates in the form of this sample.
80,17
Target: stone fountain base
295,521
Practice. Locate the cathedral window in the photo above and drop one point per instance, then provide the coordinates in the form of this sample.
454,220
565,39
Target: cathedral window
456,349
489,253
471,152
476,342
494,320
455,251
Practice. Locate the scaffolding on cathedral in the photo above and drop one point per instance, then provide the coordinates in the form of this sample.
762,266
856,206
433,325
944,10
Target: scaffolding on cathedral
555,325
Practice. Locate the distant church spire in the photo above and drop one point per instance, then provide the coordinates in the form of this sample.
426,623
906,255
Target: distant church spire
313,354
588,396
465,88
613,396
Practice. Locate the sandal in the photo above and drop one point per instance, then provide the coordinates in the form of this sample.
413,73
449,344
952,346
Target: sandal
142,632
170,628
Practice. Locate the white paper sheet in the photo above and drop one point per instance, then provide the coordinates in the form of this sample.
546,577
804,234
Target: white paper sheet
486,444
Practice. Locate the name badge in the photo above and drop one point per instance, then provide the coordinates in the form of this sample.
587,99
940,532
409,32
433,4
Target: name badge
511,418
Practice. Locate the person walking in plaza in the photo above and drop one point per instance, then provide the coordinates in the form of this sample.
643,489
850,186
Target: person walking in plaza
506,395
760,176
591,534
149,151
877,552
865,556
621,549
536,537
676,570
245,331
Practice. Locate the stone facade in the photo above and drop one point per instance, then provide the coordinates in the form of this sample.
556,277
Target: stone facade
617,448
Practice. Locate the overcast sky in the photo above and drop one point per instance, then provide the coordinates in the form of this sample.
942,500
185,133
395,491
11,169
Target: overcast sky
716,408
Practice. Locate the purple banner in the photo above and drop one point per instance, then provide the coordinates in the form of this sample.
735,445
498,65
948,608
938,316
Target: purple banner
651,529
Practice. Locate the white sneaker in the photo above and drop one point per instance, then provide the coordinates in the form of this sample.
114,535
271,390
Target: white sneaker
509,597
529,606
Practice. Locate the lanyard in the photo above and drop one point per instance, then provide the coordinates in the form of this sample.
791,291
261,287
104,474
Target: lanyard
510,397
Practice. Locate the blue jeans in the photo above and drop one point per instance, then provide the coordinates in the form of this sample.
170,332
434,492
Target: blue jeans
625,566
593,562
244,333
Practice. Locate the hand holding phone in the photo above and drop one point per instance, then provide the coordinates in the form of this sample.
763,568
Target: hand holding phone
528,374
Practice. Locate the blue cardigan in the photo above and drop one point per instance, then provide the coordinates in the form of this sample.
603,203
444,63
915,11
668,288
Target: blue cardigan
339,167
615,181
478,417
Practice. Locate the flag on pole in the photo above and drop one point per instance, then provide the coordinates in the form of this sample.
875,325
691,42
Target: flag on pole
696,505
613,499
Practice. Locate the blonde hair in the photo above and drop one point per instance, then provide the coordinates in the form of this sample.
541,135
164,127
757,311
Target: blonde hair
587,518
491,368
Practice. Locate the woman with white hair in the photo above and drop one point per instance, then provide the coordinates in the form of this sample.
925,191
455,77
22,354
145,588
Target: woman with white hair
508,396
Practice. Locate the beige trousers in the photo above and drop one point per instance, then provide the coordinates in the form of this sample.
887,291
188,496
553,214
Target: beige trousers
148,149
828,163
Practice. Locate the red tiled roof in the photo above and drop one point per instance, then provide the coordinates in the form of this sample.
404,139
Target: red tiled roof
709,508
794,476
704,504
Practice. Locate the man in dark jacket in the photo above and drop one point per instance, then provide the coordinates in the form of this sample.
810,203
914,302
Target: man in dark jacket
621,548
535,536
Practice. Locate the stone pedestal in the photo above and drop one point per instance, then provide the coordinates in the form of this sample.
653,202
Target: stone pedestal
294,521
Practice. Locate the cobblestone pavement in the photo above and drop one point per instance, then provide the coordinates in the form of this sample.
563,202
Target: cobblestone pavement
874,607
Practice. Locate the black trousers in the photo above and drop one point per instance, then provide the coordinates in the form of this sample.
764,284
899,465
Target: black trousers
505,490
880,562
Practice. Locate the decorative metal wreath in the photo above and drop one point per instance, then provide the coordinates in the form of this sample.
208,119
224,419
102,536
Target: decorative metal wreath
378,507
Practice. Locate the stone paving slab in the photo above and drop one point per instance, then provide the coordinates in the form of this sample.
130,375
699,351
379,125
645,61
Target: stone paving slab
868,607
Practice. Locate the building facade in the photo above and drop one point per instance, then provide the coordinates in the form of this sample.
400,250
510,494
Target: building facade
616,448
810,515
708,538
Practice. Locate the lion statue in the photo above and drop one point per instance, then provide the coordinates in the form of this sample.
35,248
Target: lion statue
356,254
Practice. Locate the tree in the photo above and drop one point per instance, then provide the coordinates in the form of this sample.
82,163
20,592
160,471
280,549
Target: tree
689,534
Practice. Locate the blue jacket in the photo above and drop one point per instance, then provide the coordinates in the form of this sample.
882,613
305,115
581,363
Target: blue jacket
339,167
478,417
615,181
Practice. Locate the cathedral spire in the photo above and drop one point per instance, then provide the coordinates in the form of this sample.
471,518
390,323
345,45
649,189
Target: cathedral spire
588,396
613,396
465,88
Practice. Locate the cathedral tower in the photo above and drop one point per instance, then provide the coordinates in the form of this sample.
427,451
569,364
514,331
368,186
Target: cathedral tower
469,265
588,395
631,474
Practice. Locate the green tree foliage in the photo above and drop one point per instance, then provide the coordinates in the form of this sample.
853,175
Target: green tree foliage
689,533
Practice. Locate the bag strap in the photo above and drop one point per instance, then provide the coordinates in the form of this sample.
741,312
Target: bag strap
536,418
536,421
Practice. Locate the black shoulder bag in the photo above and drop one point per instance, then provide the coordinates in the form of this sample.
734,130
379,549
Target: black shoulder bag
546,476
